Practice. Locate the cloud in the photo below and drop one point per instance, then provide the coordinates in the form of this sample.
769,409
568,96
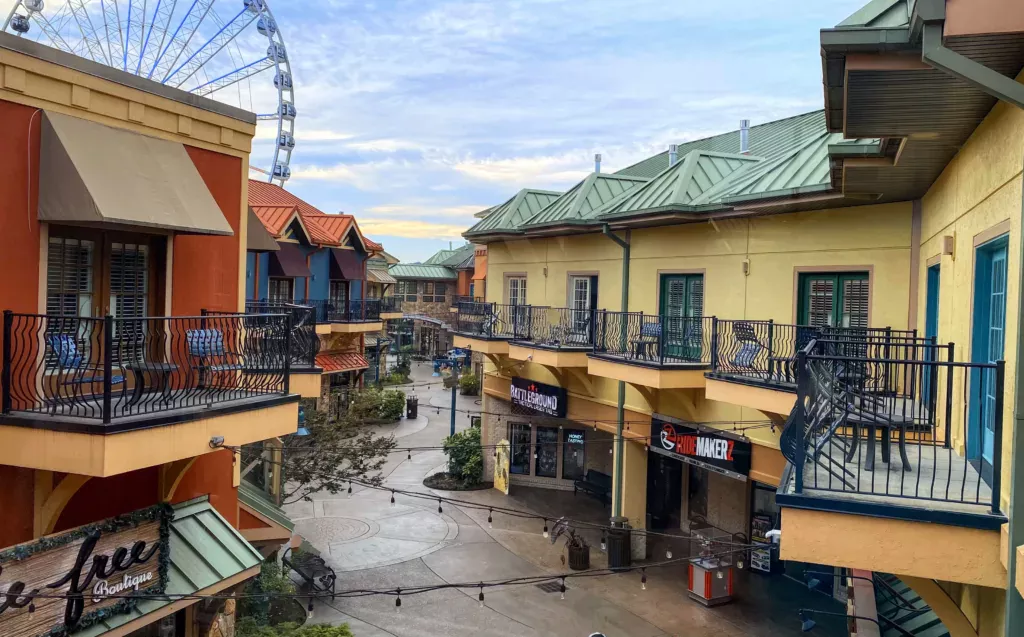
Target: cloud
384,145
413,210
411,229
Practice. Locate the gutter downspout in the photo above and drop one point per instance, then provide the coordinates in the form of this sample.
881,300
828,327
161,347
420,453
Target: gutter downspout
934,54
621,404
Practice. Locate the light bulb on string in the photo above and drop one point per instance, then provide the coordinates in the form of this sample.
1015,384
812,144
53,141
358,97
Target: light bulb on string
398,600
739,564
643,579
309,610
490,519
604,541
439,506
546,534
350,488
563,588
481,595
408,455
392,498
668,554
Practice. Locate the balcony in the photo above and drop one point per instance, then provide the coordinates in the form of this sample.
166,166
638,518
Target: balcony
470,304
390,308
895,434
488,327
165,385
658,351
348,317
304,346
558,337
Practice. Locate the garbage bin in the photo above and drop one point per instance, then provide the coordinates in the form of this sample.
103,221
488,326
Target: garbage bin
619,545
474,421
412,407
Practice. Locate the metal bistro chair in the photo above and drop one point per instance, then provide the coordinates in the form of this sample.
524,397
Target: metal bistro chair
750,346
69,359
208,354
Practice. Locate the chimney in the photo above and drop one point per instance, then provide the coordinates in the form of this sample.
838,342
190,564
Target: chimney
744,136
597,162
673,154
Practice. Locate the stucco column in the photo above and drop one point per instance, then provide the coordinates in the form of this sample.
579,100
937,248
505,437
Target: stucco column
634,492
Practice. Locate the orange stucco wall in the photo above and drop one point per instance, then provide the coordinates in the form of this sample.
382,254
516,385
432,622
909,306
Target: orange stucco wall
211,474
19,228
16,505
206,269
247,520
462,286
102,498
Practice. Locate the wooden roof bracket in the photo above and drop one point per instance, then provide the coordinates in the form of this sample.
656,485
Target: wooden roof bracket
978,75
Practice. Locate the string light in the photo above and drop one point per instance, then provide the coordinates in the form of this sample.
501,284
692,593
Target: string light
604,541
392,498
490,519
643,579
398,600
546,528
668,554
481,595
563,588
309,609
439,506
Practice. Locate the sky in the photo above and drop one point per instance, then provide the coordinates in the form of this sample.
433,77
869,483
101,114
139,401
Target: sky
415,114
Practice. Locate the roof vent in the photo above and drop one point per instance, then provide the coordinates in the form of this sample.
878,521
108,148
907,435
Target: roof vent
744,136
673,154
597,162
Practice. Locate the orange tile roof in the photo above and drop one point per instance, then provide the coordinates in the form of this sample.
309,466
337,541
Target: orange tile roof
275,218
328,228
332,363
322,227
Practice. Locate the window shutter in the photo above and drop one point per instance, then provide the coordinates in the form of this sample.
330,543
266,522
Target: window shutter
855,303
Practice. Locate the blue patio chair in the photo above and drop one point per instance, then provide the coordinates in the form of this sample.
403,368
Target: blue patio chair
750,347
208,353
69,359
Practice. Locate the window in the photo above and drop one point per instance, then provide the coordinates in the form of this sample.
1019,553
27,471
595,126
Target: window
519,439
547,452
574,454
281,290
406,290
682,306
69,277
129,280
582,300
339,293
434,292
516,290
834,300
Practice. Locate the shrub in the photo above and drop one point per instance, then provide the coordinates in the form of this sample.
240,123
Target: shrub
246,627
255,603
469,384
392,405
376,405
465,456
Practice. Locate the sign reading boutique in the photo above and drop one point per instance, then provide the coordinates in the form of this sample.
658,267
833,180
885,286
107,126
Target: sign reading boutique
64,583
547,400
712,450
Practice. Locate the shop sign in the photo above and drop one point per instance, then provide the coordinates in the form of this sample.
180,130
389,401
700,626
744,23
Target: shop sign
705,448
538,397
502,460
64,583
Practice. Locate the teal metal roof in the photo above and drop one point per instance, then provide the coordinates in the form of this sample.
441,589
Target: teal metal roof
438,257
880,14
256,499
204,550
685,183
513,213
585,199
422,271
455,257
768,140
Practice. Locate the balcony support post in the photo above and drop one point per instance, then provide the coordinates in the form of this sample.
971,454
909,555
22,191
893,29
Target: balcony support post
949,395
997,442
5,365
621,403
287,351
800,418
108,365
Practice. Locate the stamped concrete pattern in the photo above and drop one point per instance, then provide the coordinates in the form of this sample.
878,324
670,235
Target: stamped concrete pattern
373,544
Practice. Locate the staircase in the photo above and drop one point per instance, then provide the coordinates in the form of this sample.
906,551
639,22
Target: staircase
899,603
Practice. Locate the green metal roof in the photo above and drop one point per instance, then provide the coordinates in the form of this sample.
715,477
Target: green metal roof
768,140
452,258
879,14
204,550
422,271
513,213
256,499
439,256
685,183
585,199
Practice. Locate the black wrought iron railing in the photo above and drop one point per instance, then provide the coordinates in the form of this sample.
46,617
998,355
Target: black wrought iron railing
390,305
350,311
653,338
305,342
866,425
494,320
470,304
561,327
765,351
105,369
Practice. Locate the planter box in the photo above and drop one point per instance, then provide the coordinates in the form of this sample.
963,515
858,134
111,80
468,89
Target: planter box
579,558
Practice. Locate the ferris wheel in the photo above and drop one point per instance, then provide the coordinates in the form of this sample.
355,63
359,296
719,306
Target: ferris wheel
223,49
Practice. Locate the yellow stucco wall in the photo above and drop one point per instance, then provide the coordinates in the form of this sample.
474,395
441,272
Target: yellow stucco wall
979,189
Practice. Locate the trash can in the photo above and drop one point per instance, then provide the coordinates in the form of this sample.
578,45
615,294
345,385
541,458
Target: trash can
619,544
412,407
474,421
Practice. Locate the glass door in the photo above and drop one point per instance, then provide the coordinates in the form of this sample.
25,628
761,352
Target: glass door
682,306
583,300
931,331
987,344
546,454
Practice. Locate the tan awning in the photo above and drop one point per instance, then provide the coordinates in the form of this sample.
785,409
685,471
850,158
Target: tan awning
257,238
94,174
379,276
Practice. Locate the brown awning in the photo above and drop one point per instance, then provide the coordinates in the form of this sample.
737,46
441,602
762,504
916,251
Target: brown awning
480,268
257,238
346,264
380,276
97,175
289,261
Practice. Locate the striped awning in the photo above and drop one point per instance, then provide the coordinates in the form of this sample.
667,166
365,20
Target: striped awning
334,363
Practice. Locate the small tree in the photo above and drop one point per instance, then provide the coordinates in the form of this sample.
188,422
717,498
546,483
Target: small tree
469,384
332,454
465,456
261,590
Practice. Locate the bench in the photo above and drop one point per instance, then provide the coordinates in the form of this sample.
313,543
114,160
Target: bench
311,567
596,483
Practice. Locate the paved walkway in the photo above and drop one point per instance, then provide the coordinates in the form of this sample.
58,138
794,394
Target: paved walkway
373,544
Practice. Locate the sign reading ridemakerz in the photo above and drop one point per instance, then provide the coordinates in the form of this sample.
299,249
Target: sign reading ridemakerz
714,451
538,397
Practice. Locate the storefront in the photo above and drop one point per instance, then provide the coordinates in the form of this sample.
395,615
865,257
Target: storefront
86,572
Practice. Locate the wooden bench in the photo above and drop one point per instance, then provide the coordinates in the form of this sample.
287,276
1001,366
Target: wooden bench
314,571
596,483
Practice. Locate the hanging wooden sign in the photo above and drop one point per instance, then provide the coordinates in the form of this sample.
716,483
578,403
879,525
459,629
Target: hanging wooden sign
67,582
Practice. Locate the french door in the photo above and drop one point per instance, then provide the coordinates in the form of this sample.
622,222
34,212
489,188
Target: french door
834,300
682,306
931,331
987,345
582,302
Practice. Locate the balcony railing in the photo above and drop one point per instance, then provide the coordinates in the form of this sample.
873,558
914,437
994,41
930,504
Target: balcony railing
390,305
350,311
305,342
654,339
560,328
494,321
849,394
111,369
470,304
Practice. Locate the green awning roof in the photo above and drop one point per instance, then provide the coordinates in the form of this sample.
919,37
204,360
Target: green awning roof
879,14
422,271
583,200
513,213
254,498
205,550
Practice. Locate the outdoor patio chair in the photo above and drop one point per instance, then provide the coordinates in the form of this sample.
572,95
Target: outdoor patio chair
70,360
209,354
750,346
